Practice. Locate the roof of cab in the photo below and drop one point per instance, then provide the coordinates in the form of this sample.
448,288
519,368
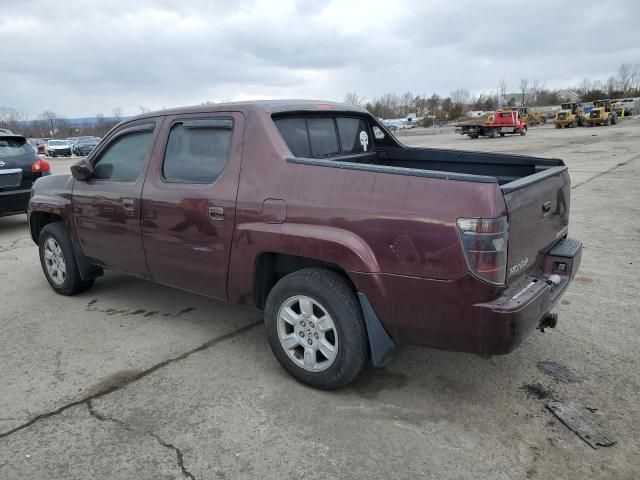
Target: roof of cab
268,106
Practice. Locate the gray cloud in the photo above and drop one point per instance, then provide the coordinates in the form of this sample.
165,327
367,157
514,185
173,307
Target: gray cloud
81,58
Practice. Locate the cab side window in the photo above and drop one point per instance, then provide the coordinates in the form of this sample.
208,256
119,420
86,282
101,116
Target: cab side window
123,158
197,151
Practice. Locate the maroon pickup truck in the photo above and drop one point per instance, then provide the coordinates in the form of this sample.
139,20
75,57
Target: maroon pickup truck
350,242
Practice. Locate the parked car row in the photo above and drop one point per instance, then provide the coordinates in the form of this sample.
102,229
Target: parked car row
80,146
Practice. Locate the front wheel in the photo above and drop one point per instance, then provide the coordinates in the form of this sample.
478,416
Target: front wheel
59,262
523,131
315,328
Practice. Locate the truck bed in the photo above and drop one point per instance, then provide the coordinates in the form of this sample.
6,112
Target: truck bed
510,171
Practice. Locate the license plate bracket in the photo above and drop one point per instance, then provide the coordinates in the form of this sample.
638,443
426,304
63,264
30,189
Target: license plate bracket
10,178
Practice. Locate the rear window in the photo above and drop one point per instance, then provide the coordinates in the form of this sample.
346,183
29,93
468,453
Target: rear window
14,147
321,137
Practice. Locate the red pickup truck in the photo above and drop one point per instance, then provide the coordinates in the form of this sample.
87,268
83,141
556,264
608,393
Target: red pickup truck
500,123
351,242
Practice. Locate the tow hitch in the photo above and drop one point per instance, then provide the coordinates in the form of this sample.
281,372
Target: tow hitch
550,320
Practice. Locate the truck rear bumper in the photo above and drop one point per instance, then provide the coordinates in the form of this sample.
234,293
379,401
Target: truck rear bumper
440,315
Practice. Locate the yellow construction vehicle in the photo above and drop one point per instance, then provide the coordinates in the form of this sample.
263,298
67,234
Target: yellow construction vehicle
570,115
530,118
602,113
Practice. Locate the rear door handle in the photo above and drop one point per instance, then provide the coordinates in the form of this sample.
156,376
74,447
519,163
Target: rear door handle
216,213
128,204
546,206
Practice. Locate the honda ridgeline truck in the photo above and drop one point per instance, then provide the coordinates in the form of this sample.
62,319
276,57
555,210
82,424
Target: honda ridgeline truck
350,242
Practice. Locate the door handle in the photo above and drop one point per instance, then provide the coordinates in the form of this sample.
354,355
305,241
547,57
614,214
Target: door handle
216,213
128,204
546,206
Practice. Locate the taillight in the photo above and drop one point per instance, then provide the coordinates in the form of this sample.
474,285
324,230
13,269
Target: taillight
40,166
484,241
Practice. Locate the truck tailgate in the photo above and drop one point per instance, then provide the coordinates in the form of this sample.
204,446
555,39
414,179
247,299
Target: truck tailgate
538,212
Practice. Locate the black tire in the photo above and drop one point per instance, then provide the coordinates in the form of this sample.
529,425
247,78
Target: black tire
607,121
502,134
338,298
523,131
558,125
614,119
72,282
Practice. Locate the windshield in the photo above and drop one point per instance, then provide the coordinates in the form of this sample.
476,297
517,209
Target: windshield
88,140
14,147
57,143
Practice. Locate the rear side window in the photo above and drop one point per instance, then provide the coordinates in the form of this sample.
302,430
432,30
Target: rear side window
321,137
196,153
354,135
123,158
294,132
14,147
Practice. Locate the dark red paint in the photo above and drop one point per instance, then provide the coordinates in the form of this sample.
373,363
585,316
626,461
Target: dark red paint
394,236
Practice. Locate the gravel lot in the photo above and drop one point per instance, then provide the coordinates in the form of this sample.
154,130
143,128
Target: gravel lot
134,380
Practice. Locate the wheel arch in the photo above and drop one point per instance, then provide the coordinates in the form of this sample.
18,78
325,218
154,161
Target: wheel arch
270,267
39,219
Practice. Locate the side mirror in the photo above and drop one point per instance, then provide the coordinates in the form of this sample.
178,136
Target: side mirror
83,170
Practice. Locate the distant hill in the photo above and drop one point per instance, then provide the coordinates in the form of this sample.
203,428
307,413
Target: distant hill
82,122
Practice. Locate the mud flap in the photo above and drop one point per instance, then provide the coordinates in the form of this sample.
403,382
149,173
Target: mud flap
383,348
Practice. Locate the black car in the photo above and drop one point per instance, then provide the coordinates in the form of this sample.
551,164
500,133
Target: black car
20,166
85,146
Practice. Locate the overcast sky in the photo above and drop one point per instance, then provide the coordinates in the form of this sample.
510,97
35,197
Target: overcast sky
79,58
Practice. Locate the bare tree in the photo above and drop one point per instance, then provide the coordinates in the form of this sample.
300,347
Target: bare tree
144,109
612,85
51,120
502,91
421,105
117,114
407,104
537,87
524,89
625,77
585,87
460,97
12,119
433,103
635,79
352,98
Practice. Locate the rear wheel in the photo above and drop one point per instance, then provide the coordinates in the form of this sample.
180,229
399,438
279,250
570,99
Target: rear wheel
502,134
315,328
523,131
59,262
558,125
614,119
608,121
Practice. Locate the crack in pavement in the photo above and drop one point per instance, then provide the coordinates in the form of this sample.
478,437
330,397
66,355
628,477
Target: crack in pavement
622,164
155,436
133,378
13,245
